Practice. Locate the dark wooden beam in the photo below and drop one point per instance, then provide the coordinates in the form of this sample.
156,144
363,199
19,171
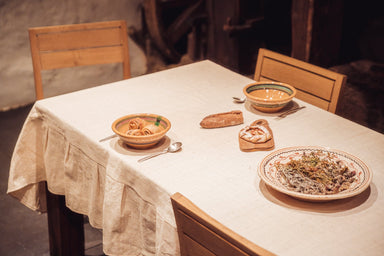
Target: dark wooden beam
317,31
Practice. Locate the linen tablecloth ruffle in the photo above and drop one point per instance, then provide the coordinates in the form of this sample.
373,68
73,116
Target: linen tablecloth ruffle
94,183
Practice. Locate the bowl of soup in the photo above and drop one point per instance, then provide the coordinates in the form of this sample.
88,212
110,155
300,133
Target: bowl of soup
269,96
141,131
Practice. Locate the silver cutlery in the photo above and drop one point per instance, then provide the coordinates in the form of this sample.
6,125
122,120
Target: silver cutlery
108,137
290,111
238,100
174,147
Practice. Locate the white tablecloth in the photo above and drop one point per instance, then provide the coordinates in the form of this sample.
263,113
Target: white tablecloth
130,201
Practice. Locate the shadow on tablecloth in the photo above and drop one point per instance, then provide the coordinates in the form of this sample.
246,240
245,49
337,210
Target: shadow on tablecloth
345,206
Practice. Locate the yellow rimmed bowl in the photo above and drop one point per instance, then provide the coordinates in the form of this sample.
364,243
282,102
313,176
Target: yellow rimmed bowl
269,96
121,125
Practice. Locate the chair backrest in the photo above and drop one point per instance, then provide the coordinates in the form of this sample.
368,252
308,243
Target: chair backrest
319,86
74,45
201,235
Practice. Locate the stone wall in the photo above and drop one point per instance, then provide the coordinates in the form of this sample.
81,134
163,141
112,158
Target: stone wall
16,73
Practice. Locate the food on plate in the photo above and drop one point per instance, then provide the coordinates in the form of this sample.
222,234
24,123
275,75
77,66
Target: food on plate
316,173
136,123
223,119
256,136
135,132
256,133
140,127
151,129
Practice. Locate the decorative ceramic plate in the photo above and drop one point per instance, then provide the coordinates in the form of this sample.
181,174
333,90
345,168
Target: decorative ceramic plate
272,177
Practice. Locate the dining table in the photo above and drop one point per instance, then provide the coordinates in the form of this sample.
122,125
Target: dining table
59,152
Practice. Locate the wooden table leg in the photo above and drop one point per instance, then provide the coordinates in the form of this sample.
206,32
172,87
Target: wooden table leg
66,231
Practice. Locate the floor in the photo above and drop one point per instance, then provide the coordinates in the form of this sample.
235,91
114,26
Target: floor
23,231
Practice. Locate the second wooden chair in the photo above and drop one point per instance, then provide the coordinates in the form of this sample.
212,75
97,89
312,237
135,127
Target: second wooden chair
319,86
201,235
64,46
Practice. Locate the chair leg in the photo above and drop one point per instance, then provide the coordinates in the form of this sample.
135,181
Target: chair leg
66,231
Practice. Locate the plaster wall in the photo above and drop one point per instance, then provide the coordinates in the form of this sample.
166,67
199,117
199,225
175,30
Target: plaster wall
16,72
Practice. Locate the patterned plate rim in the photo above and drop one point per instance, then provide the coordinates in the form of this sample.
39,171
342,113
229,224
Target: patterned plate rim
345,194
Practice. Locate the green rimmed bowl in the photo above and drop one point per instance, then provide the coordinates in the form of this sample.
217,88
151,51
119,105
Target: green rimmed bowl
269,96
121,126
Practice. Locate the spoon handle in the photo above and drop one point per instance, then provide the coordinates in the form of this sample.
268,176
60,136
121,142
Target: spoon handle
238,100
150,156
107,138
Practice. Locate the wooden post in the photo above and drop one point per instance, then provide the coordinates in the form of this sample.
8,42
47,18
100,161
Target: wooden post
221,47
234,33
316,31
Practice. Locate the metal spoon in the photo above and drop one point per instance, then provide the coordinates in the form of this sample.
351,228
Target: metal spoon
238,100
109,137
174,147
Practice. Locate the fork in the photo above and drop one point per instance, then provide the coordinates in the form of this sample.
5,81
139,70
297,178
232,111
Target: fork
291,111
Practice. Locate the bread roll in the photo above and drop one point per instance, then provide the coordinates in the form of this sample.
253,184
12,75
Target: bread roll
255,134
223,119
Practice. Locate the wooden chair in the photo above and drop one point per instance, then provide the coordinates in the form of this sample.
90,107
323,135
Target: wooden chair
319,86
85,44
201,235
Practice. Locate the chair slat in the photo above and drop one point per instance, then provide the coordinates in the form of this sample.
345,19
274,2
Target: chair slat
316,101
79,39
92,56
194,248
305,96
302,79
207,238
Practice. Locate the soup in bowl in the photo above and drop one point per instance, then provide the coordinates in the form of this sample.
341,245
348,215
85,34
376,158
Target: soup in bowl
269,96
